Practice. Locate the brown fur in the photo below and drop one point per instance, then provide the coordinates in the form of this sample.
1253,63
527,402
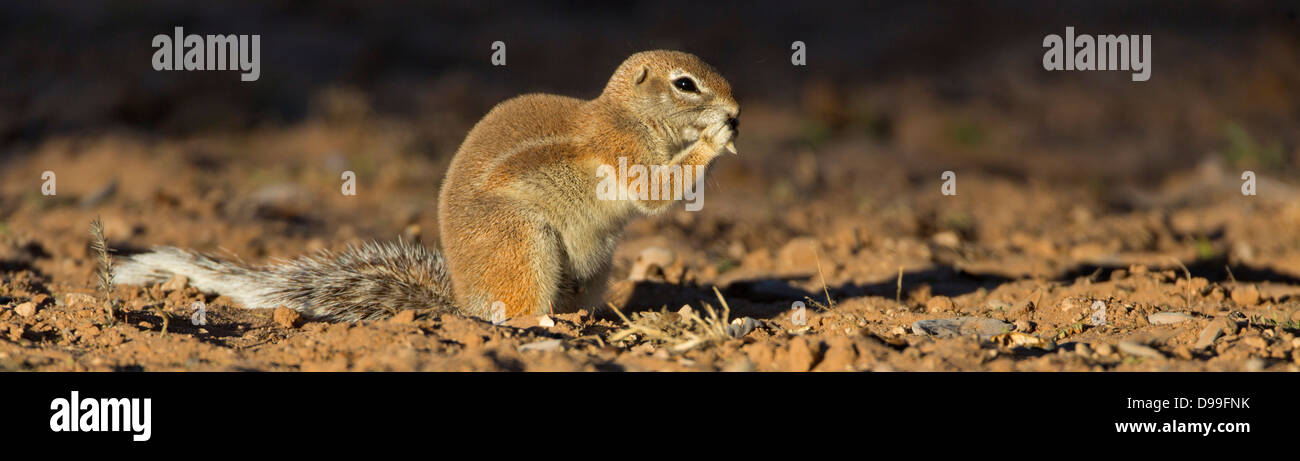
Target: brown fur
520,221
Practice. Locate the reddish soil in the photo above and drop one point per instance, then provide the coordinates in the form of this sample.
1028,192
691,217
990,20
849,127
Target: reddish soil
1055,210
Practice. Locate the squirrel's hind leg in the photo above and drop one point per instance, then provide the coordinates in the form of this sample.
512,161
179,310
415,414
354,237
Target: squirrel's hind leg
513,265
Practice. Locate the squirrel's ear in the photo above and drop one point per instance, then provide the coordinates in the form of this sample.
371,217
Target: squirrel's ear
641,77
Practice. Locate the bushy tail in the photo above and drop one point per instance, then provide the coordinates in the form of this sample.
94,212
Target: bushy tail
372,281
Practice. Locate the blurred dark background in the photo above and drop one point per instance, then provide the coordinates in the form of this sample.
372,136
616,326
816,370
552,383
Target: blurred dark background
1067,178
1225,73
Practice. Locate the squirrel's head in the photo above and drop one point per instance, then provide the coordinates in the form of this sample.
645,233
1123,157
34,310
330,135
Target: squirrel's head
677,95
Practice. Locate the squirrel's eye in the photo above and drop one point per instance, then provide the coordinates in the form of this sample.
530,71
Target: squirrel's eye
686,84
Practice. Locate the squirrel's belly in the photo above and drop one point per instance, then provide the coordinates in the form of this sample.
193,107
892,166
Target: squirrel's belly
590,255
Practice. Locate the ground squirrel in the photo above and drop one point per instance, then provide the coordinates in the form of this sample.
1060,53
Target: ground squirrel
522,227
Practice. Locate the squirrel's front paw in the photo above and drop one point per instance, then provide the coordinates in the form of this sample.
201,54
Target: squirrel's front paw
719,136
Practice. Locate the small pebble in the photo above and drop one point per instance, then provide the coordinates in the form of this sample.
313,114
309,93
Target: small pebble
545,321
543,345
1139,350
947,239
1210,333
26,309
1246,295
286,317
1168,318
1105,349
741,327
960,326
939,304
1083,350
405,316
